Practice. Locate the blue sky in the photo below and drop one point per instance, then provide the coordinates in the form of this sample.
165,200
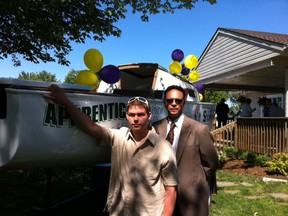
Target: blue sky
154,41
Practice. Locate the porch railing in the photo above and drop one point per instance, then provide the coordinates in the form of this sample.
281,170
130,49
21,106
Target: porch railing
224,136
258,135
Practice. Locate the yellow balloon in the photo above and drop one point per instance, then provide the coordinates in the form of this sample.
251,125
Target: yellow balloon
191,61
200,97
175,67
93,60
194,75
87,78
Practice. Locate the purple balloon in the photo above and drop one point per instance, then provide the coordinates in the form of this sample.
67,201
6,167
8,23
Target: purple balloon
199,87
110,74
185,71
177,55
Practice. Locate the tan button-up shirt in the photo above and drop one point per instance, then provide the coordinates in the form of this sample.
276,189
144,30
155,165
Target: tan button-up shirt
138,173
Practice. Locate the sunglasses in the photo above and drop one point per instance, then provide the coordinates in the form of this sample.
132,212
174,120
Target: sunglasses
141,99
177,101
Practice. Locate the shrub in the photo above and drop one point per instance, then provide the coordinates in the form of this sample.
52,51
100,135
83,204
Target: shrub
230,152
221,158
241,155
278,164
251,157
261,160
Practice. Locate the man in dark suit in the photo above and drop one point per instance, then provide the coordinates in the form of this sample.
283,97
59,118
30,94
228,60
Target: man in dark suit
196,155
222,110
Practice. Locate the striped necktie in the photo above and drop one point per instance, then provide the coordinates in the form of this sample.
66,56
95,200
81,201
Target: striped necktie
170,135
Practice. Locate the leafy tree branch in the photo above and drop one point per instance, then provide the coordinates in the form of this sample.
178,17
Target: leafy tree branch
42,30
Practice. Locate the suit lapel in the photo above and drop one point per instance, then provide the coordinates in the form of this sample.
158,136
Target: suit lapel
162,128
185,131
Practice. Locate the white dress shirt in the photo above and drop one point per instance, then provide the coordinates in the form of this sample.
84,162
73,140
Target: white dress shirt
177,130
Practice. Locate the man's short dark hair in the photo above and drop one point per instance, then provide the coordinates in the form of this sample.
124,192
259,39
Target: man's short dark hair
172,87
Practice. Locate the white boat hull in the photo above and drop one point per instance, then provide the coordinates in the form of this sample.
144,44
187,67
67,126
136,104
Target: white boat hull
37,134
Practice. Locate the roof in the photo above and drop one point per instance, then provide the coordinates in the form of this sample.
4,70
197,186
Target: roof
244,60
273,37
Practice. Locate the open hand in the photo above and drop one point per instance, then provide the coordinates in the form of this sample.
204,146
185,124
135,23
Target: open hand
57,95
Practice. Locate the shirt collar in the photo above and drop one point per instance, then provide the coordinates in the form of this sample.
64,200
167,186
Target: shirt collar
151,137
178,121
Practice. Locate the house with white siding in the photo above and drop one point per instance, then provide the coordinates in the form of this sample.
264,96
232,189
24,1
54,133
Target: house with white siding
251,61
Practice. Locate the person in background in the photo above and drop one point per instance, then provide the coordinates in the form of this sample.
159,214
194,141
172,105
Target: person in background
144,177
196,155
274,110
222,110
246,110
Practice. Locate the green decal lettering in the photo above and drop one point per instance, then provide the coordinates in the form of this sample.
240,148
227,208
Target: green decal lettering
50,115
95,113
103,112
63,115
86,110
110,107
122,110
116,111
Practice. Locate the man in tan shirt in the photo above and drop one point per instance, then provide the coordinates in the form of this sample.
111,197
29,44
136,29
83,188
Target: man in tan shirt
143,178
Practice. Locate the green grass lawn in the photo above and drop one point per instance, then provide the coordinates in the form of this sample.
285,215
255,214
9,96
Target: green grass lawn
20,191
254,199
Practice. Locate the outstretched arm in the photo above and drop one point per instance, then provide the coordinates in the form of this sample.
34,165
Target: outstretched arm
59,97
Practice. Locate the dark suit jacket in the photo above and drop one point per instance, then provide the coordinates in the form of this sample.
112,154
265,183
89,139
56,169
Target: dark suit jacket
197,162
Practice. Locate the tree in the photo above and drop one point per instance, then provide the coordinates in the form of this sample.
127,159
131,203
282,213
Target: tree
70,78
215,96
41,76
237,99
41,30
